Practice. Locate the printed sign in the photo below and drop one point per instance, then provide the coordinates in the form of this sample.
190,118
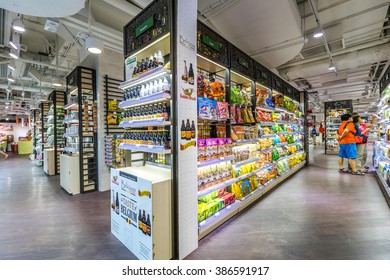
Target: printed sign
130,64
131,215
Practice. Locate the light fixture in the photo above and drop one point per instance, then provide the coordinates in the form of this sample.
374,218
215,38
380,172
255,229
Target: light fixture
93,45
13,45
14,54
57,82
331,66
10,78
11,65
318,32
18,26
7,119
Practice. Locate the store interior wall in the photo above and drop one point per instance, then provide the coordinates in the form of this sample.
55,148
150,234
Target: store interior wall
18,130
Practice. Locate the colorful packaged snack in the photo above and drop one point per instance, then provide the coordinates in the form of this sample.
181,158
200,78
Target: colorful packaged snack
222,110
233,114
201,149
204,108
238,115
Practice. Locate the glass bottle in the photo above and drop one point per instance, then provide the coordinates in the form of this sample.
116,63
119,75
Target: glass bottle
193,130
184,76
164,112
183,130
188,130
160,59
166,87
191,75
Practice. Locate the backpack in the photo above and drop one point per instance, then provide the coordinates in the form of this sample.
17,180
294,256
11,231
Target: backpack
358,139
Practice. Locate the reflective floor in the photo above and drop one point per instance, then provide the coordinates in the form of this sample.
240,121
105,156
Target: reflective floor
316,214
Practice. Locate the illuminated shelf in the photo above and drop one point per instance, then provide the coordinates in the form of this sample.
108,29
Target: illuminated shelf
245,141
154,98
250,160
144,123
215,161
72,106
145,148
152,74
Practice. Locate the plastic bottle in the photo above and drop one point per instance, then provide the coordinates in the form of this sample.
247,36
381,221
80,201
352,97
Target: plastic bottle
165,85
160,86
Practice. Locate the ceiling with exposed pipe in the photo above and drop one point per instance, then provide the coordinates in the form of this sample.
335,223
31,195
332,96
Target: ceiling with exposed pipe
276,33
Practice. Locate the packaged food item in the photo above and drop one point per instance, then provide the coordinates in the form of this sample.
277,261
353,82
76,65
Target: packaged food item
213,110
112,119
112,105
233,114
238,115
201,149
222,110
204,110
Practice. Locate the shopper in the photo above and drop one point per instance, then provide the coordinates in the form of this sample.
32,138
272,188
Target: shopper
314,135
346,137
322,131
362,148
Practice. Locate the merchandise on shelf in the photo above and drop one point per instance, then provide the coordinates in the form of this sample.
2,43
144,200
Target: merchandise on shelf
244,152
148,88
114,157
156,137
211,175
245,187
210,86
239,132
147,112
212,203
214,148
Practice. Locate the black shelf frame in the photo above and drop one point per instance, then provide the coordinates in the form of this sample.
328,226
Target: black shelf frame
44,112
112,92
58,98
35,114
84,80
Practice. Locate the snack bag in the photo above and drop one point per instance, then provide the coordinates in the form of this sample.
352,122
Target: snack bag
112,105
233,114
222,110
204,110
238,115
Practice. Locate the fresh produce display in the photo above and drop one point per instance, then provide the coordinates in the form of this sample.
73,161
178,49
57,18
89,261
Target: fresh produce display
240,95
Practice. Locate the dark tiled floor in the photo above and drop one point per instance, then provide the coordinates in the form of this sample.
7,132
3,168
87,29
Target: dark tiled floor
39,220
316,214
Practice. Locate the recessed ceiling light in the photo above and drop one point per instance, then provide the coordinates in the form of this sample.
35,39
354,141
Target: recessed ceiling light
18,26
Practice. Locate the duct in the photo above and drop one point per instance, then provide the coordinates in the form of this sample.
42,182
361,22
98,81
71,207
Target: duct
28,60
31,89
345,61
124,6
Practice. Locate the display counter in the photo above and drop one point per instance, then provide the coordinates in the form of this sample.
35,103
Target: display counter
25,147
70,173
141,210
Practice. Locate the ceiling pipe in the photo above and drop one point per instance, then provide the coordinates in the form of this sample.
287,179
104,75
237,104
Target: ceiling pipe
30,89
28,60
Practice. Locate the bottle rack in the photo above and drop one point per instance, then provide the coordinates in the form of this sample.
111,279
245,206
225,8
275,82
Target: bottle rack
81,125
58,99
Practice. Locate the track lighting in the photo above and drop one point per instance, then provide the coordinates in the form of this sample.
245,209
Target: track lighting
18,26
332,66
13,45
11,65
318,32
57,82
10,78
14,54
94,45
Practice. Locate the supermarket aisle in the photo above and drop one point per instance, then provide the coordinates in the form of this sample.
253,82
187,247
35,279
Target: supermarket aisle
39,220
317,214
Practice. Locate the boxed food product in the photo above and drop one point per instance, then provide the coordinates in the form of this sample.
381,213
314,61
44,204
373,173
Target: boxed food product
207,109
201,149
233,114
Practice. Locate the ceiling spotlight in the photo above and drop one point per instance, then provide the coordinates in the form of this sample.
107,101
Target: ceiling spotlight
318,32
94,45
10,78
13,45
332,66
14,54
57,82
7,119
18,26
11,65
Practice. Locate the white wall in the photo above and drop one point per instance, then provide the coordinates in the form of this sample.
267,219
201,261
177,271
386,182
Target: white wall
19,130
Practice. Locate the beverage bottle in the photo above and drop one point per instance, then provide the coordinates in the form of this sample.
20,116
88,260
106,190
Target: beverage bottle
139,219
113,201
160,86
155,86
164,113
166,87
150,88
183,130
117,204
191,75
184,76
146,90
193,130
188,130
160,59
142,91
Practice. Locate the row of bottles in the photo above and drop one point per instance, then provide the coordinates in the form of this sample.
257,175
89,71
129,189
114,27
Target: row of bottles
144,222
188,75
149,88
160,26
154,111
148,63
148,137
187,131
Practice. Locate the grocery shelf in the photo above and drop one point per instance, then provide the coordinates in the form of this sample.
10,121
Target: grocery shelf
266,108
281,144
71,106
268,136
266,123
208,225
144,123
71,121
217,187
250,160
383,185
158,97
145,148
246,141
71,135
290,156
268,149
70,150
215,161
152,74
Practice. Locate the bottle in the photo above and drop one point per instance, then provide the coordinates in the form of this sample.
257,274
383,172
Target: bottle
184,77
159,110
193,130
191,75
166,87
150,88
139,219
188,130
155,87
142,66
143,216
164,17
149,230
113,201
146,90
183,131
164,112
117,204
160,86
142,91
160,59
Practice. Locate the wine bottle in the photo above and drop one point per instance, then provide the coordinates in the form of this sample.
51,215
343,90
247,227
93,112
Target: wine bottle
188,130
183,130
193,130
117,204
191,75
184,77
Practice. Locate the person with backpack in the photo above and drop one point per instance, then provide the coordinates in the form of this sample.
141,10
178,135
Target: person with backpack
314,134
346,137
